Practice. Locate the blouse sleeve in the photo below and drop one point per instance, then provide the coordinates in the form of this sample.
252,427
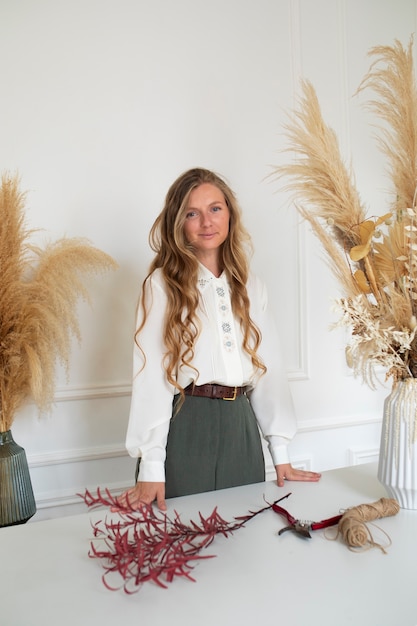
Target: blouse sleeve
152,395
271,397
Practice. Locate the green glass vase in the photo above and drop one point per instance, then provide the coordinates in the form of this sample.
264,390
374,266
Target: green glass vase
17,502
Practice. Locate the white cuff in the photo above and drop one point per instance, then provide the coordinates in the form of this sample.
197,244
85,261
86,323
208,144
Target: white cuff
278,448
151,471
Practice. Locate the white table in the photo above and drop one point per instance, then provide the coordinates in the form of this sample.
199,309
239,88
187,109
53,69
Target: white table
258,577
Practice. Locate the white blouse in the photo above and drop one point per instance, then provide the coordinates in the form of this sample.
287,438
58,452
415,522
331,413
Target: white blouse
219,358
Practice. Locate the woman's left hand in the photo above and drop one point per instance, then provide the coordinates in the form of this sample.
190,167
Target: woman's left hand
287,472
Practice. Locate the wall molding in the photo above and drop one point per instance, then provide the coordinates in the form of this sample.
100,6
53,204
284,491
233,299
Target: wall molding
333,423
67,497
344,138
81,455
295,39
357,456
301,373
92,392
99,453
304,463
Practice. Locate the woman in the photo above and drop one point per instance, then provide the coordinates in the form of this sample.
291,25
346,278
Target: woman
206,355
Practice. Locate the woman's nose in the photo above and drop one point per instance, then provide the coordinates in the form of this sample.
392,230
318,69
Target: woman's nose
205,219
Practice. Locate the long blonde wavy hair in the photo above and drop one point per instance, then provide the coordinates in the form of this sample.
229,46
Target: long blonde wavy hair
175,256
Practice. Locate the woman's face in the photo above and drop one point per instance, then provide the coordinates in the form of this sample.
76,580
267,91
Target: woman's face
207,221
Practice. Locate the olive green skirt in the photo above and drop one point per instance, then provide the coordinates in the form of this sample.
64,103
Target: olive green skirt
213,444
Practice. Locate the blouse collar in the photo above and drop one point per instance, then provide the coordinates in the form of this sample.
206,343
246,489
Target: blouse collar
205,277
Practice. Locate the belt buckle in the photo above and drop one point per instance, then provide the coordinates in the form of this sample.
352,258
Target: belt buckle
234,395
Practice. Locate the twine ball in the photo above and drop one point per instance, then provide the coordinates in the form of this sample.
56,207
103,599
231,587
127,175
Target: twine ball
352,526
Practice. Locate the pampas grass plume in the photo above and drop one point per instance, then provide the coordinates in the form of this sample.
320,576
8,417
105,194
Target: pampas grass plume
39,291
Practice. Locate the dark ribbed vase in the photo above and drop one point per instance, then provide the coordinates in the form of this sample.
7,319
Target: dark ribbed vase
17,503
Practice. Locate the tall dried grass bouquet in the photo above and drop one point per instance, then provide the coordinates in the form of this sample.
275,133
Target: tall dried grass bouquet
39,290
373,258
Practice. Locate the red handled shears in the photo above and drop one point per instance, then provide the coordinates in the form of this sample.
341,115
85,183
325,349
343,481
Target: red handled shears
302,527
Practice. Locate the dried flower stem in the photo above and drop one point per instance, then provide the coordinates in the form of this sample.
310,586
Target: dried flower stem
144,545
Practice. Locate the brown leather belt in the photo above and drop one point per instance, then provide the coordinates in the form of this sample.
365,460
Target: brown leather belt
216,392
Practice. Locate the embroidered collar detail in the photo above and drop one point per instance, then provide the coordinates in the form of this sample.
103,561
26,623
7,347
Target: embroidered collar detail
205,277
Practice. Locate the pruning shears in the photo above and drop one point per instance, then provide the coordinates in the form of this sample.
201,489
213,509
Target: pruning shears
302,527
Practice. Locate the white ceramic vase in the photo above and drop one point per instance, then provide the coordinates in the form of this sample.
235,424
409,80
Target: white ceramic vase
397,468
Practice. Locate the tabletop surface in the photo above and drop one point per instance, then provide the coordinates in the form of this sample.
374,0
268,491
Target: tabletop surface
257,577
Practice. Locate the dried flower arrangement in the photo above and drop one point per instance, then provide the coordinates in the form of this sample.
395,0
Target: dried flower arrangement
374,259
39,290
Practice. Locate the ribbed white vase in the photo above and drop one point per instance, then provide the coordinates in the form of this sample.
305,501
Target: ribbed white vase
397,468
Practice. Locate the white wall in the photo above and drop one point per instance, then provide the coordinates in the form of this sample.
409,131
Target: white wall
103,103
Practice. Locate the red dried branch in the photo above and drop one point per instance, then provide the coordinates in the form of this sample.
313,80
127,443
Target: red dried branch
146,545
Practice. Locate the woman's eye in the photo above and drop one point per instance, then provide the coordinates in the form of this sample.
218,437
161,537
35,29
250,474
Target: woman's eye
190,215
216,208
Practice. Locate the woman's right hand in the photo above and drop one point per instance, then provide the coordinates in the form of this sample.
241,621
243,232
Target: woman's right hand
143,493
